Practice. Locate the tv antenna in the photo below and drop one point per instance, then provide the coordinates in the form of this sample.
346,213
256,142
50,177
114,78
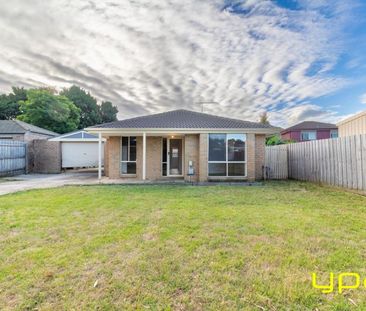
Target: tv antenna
206,103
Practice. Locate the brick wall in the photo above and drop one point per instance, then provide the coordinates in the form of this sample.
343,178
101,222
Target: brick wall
194,149
203,157
46,157
191,148
139,157
113,157
250,144
29,136
153,157
260,141
106,162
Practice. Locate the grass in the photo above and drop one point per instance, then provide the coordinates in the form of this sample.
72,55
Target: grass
180,247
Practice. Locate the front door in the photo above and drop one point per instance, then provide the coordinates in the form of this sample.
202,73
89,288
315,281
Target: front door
175,157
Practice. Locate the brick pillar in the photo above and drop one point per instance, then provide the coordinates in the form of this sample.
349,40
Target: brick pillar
251,157
153,158
191,153
106,162
114,157
139,158
260,141
203,157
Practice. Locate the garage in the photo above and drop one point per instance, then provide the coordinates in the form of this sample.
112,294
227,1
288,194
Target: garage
79,149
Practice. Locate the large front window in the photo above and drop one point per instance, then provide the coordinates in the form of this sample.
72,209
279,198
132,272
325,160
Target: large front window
128,161
226,155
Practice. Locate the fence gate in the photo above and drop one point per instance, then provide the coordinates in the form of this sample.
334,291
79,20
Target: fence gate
276,165
12,157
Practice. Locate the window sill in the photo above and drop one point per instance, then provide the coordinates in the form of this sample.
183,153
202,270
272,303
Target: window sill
128,175
227,177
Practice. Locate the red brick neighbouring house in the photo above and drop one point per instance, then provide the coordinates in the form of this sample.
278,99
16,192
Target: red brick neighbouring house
310,130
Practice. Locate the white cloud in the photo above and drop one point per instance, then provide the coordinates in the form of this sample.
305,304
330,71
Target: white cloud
363,98
152,56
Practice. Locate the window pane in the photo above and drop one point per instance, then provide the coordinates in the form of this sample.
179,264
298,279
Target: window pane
132,141
217,169
217,147
131,167
236,147
124,167
132,153
164,169
128,168
124,148
236,169
308,135
164,150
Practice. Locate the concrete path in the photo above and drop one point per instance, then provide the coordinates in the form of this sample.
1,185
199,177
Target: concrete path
83,177
38,181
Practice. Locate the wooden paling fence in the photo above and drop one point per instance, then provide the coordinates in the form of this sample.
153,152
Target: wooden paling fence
276,162
339,162
12,157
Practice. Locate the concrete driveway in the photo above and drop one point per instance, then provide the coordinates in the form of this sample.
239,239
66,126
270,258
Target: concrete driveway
38,181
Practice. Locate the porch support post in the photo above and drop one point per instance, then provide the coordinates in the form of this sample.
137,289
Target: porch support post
144,156
100,156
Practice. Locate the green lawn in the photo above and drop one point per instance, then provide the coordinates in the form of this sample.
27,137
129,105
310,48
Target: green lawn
180,247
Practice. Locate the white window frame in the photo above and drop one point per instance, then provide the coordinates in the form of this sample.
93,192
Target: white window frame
307,132
227,162
128,155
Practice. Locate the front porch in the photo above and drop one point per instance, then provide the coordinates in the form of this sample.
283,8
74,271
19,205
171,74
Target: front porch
151,157
159,156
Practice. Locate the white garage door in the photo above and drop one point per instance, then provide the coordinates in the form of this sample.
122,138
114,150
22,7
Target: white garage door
80,154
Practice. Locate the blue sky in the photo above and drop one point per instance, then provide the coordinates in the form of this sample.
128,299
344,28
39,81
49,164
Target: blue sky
298,60
351,64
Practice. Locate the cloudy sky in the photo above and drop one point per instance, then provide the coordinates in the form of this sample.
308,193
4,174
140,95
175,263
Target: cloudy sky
298,60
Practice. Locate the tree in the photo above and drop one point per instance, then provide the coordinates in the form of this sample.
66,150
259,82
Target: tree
9,104
276,140
53,112
108,112
263,118
89,110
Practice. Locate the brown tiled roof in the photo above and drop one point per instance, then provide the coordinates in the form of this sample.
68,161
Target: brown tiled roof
311,125
183,119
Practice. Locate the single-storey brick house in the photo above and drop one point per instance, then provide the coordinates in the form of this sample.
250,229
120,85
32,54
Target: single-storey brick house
183,144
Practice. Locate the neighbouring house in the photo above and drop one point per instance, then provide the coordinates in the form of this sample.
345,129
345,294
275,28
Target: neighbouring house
21,131
183,144
79,149
310,130
353,125
35,154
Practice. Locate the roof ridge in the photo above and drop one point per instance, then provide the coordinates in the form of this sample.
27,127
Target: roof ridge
183,118
31,127
20,124
191,111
